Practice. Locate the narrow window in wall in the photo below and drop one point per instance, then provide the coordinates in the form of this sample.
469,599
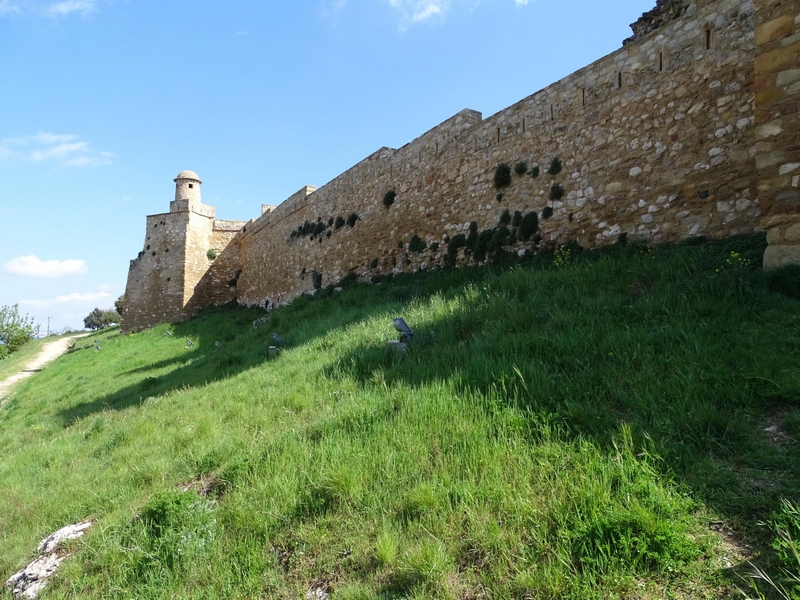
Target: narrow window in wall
660,61
523,124
583,97
498,135
619,80
191,185
552,113
708,38
437,147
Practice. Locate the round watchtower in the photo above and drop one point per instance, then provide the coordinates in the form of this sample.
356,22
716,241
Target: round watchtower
187,187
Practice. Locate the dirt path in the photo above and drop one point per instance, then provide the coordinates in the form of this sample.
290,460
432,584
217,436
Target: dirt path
49,352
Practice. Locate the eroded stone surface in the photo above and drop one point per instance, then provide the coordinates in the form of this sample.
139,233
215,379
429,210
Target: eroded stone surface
31,580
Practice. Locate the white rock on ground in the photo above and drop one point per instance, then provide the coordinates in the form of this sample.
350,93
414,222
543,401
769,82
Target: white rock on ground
31,580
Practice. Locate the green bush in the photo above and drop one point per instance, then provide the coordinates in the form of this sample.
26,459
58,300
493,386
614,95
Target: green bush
174,532
547,212
15,330
388,198
505,218
351,220
556,192
100,319
534,172
528,226
338,223
456,242
211,254
502,175
416,245
555,167
517,219
521,168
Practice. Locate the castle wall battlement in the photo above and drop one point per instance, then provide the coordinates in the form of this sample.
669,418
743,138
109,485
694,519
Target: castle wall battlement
659,140
656,140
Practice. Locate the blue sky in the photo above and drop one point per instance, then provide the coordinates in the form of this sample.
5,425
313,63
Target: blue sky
103,102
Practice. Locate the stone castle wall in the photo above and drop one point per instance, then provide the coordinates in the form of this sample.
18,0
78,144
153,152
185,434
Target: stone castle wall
173,276
777,76
155,289
656,140
688,130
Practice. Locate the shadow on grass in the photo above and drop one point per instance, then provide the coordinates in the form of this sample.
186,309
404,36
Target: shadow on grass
695,356
225,343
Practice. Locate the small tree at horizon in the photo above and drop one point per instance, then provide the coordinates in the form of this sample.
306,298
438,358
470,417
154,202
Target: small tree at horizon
100,319
15,330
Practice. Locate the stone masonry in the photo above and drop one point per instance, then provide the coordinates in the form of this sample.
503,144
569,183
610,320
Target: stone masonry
659,140
777,87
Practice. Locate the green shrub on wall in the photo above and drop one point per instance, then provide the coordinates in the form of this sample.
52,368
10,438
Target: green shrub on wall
556,192
528,226
338,223
555,167
502,175
388,198
211,254
351,220
521,168
416,245
547,212
534,172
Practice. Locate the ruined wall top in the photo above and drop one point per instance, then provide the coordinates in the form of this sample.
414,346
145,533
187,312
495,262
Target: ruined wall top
664,12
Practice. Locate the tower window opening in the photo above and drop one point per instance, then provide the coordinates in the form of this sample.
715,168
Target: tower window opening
583,97
552,113
523,124
660,61
498,135
191,185
619,80
708,38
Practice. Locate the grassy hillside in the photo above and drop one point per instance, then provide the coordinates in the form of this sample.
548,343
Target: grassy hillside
590,425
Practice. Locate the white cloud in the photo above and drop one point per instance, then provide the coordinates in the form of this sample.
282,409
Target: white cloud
66,149
420,11
6,8
48,8
426,12
64,9
33,266
76,298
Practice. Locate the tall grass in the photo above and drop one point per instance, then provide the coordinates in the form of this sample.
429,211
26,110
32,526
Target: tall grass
564,432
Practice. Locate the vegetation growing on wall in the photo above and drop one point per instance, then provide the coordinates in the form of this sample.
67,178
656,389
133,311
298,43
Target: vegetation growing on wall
555,167
502,175
388,198
416,244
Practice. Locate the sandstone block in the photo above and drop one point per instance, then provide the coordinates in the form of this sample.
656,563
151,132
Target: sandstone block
781,255
777,59
774,30
792,233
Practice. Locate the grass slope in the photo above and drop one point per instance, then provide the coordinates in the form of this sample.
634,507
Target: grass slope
573,428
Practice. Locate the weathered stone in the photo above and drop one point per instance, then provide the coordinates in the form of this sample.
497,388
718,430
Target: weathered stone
774,29
30,581
781,255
